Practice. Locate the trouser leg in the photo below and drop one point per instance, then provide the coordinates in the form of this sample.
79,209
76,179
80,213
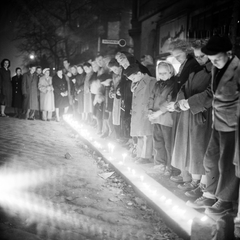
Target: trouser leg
160,154
44,115
49,115
167,133
227,187
210,163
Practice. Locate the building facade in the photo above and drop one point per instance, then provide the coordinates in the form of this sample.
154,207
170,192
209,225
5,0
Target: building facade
155,23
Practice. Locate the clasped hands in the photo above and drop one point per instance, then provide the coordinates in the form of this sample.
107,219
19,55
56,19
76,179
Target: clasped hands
64,94
183,105
153,115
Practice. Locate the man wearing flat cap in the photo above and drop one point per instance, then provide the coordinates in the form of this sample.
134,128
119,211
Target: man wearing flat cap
222,184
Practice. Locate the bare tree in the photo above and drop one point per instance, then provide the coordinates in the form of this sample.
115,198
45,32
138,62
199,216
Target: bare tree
56,28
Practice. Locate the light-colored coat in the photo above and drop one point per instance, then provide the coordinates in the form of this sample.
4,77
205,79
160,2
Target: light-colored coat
30,91
140,124
46,94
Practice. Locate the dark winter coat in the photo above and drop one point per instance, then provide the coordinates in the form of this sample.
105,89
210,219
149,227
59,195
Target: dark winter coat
17,97
226,97
5,87
60,86
194,126
159,99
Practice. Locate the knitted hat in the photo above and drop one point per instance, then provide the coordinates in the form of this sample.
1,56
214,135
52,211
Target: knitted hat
217,44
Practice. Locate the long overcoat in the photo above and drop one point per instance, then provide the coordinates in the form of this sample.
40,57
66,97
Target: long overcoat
5,87
17,91
60,86
46,94
140,124
194,126
30,91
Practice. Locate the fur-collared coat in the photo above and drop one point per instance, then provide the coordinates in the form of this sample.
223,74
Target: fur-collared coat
140,124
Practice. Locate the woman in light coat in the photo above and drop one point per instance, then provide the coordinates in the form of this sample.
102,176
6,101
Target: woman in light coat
46,95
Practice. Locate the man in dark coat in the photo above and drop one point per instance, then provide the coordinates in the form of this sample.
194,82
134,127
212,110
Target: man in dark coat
5,86
30,93
222,184
17,92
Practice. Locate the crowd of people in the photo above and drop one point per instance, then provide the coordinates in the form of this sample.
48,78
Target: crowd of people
185,122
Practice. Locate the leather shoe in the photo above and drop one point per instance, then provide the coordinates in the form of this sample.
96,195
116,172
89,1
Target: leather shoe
201,202
142,161
177,179
195,193
188,185
219,208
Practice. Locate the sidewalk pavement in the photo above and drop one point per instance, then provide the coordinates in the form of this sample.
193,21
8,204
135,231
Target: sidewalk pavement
185,221
50,188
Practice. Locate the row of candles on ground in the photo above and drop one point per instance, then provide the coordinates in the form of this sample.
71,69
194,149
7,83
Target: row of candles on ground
84,133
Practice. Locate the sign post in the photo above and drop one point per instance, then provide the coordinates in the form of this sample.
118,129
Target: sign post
121,42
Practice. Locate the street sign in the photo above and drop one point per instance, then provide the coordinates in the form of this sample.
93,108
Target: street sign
121,42
109,41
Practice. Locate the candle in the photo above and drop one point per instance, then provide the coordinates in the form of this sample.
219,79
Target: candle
124,155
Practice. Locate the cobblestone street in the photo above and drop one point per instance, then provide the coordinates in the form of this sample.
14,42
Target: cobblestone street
51,189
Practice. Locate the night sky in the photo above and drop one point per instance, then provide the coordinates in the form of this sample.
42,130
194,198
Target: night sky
8,17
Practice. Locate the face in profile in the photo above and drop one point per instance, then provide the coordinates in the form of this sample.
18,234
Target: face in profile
73,70
179,55
79,70
87,69
116,70
99,61
219,60
122,60
95,66
135,77
200,56
66,64
60,73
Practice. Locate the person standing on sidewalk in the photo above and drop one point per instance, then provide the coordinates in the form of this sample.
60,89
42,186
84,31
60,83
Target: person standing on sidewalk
5,87
17,92
60,94
161,118
194,101
30,93
39,75
141,127
46,95
222,184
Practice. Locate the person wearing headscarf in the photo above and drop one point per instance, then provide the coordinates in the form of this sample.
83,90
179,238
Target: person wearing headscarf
45,86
